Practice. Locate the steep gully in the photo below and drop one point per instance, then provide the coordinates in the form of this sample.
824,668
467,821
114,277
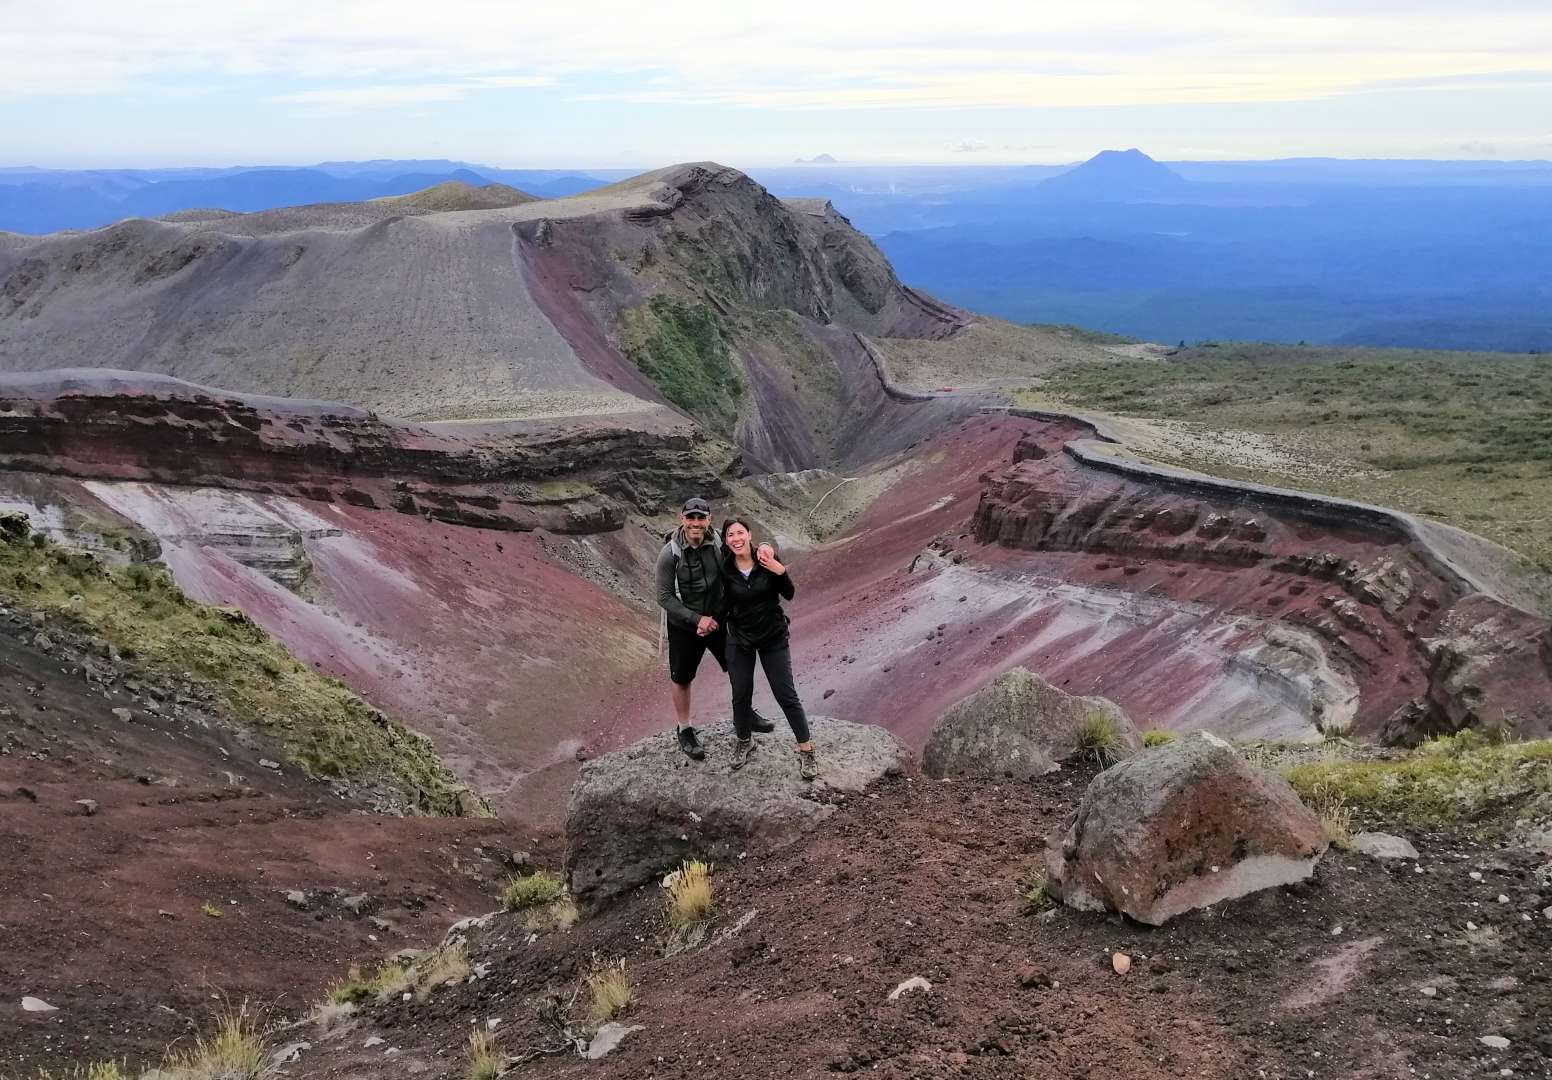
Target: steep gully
490,584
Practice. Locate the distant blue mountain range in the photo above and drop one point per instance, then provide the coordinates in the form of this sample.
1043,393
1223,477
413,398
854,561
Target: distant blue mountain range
46,200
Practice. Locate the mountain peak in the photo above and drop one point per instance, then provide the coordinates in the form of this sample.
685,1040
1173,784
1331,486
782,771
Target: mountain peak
1115,175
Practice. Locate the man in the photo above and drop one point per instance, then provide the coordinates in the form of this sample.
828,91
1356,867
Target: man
689,590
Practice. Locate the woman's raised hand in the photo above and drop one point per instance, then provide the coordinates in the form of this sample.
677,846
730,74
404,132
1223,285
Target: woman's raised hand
767,557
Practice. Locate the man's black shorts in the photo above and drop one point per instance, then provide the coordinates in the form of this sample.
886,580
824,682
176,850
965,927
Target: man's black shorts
685,649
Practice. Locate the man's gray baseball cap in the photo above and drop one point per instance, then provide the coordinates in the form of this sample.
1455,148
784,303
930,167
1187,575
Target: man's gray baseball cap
697,505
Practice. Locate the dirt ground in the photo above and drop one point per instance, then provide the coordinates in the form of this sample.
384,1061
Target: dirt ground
139,920
1370,969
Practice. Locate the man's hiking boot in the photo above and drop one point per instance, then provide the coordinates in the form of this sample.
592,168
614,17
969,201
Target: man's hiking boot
808,765
690,743
742,750
761,725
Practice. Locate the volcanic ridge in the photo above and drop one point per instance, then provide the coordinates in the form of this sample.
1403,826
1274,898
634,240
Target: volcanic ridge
425,450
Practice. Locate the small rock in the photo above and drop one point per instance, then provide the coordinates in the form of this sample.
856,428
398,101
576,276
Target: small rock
1471,925
380,924
829,694
37,1005
1502,899
297,899
1121,962
88,807
911,985
266,763
289,1053
1494,1042
124,714
1031,977
1546,912
1475,875
606,1038
1378,845
1430,991
358,903
375,1040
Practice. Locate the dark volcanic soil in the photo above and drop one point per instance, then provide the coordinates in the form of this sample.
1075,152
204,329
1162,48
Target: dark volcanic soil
103,915
1325,979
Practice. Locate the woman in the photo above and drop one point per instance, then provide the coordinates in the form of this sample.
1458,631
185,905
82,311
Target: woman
754,586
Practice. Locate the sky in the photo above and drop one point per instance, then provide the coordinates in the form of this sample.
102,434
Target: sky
525,84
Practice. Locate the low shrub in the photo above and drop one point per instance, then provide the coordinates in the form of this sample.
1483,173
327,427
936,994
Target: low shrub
532,890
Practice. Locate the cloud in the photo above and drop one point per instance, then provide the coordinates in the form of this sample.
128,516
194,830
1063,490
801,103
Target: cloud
388,95
804,54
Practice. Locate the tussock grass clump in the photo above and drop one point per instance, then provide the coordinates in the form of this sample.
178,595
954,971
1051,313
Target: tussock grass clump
1158,737
449,964
1098,736
689,896
1336,817
235,1050
355,989
532,890
99,1070
138,609
609,991
1448,780
329,1014
485,1059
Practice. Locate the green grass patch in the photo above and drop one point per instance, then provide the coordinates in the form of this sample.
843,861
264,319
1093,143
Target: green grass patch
1158,737
682,346
1464,437
532,890
357,989
1459,778
323,726
1035,896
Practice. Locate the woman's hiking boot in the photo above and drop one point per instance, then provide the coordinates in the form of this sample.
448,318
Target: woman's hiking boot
742,749
808,764
690,743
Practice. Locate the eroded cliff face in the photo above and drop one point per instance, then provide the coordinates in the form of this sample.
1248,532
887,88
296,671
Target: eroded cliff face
1429,652
579,478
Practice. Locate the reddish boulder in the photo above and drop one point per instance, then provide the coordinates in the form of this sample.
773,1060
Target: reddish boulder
1182,826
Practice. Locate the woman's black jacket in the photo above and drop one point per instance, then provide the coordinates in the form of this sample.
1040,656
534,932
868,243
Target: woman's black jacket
753,606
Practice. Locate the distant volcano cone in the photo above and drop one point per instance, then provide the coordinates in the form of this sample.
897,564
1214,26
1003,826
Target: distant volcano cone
1114,176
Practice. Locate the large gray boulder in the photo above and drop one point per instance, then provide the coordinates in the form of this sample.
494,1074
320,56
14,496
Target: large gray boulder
638,812
1017,726
1181,826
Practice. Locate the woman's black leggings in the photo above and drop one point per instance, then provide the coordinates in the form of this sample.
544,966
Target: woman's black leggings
776,658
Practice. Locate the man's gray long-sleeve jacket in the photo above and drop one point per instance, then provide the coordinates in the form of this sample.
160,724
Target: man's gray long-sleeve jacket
697,573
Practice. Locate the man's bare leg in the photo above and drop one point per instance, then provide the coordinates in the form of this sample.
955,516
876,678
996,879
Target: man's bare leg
681,696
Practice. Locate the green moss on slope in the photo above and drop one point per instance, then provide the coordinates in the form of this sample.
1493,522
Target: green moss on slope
1448,780
683,347
323,726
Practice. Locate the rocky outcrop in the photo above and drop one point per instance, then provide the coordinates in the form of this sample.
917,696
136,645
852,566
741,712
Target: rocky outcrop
1019,726
638,812
1181,826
